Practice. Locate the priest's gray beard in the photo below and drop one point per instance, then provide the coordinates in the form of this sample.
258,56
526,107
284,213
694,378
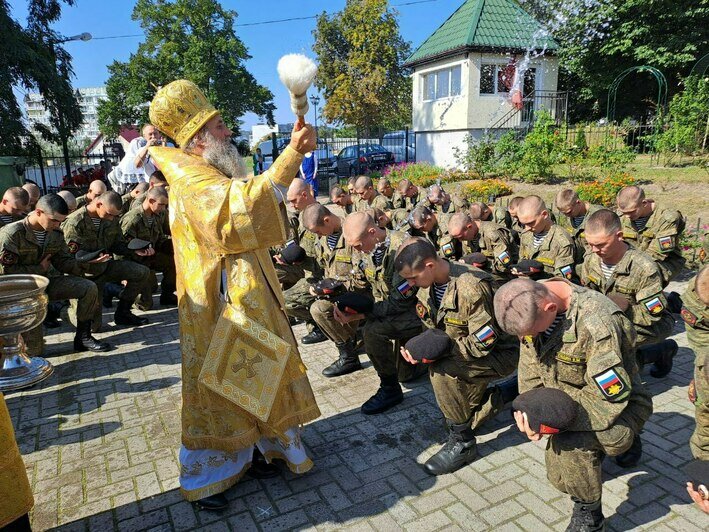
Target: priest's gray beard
223,156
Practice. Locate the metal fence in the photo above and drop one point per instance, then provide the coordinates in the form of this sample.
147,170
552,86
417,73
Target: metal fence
642,138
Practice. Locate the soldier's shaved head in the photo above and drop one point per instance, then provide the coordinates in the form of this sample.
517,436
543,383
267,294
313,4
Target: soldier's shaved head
139,189
419,216
53,204
478,210
604,222
630,197
314,215
514,203
111,198
157,179
157,192
69,198
96,188
363,181
403,185
33,190
459,221
531,206
413,253
518,305
357,223
17,194
702,284
298,186
300,194
565,199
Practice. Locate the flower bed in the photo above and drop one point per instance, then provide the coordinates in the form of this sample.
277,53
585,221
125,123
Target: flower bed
604,191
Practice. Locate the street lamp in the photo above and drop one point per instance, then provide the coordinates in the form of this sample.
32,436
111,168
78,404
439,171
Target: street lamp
315,100
65,141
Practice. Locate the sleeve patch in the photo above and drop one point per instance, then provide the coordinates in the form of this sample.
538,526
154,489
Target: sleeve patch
667,243
421,310
504,258
689,318
448,249
486,335
611,385
567,271
404,288
654,305
7,258
73,247
545,261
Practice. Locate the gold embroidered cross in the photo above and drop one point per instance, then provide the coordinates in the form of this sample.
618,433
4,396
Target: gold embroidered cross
244,362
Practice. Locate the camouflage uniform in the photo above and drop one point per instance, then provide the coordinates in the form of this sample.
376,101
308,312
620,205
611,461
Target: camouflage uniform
637,279
556,252
400,220
341,263
379,201
500,216
164,215
81,234
127,200
456,204
494,241
659,239
481,352
82,201
590,355
696,318
406,203
579,233
21,253
394,315
136,224
438,235
288,274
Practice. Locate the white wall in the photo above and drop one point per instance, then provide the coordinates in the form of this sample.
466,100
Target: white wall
436,147
446,113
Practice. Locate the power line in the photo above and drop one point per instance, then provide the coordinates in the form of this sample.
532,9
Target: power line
264,22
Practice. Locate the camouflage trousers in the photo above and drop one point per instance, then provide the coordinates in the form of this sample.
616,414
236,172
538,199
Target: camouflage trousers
573,459
289,274
136,277
165,264
382,338
699,442
461,386
322,312
298,301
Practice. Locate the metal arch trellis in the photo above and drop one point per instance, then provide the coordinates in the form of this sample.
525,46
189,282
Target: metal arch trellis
661,95
700,67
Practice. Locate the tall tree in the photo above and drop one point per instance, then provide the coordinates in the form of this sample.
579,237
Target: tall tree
34,59
599,39
360,52
192,39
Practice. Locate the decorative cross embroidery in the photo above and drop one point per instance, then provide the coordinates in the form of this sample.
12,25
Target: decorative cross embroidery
244,362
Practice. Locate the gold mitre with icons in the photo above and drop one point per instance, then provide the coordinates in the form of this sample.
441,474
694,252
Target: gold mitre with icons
180,110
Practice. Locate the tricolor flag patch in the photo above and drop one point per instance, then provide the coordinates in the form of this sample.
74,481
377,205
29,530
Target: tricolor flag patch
486,335
666,243
504,258
654,305
447,249
610,384
404,288
567,271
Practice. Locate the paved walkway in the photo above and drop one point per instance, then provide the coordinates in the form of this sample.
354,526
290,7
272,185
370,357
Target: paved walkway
100,440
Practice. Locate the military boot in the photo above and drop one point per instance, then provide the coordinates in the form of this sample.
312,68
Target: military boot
660,354
124,316
314,337
586,517
631,457
388,396
458,451
84,341
51,321
347,363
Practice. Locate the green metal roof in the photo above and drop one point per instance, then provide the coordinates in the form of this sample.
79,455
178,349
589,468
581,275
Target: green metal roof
484,24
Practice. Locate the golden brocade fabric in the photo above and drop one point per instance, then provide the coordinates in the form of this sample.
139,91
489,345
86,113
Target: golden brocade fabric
220,223
15,492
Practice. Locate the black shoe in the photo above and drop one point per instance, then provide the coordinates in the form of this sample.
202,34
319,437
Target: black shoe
314,337
347,363
586,517
674,303
52,322
83,341
292,321
388,396
168,300
631,457
213,503
260,468
124,316
458,451
663,364
508,389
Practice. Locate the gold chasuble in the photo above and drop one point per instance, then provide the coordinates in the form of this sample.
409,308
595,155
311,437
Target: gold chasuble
242,376
15,492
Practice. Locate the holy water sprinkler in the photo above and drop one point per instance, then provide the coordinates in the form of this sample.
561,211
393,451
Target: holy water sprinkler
297,73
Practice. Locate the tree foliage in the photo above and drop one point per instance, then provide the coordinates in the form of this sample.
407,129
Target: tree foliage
191,39
34,60
361,52
600,38
688,131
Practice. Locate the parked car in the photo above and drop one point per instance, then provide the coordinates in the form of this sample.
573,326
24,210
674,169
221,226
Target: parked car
362,159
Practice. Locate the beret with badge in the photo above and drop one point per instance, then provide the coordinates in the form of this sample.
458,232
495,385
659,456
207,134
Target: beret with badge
328,287
474,259
549,410
88,256
352,303
429,346
138,243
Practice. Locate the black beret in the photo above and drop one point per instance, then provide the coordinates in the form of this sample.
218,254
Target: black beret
525,266
428,346
328,287
88,256
548,410
293,254
698,473
474,258
138,243
352,303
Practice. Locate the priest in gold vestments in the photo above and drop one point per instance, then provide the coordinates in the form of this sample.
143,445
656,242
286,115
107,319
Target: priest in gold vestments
244,387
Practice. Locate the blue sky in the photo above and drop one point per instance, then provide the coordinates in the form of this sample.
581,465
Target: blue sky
266,43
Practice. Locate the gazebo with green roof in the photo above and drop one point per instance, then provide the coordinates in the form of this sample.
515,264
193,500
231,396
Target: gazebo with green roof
465,72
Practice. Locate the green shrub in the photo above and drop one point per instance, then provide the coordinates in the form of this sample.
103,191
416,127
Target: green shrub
508,155
688,115
542,148
478,157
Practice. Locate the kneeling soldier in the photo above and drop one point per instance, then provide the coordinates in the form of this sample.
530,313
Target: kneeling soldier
393,316
35,245
577,211
95,228
578,341
631,279
458,299
144,223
